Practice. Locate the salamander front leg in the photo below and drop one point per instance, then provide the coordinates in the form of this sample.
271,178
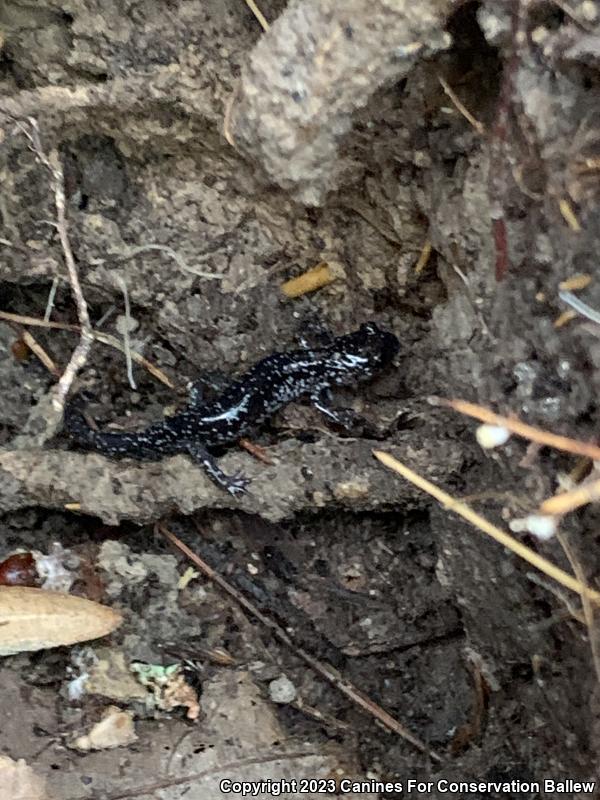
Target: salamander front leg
345,418
196,389
235,484
314,333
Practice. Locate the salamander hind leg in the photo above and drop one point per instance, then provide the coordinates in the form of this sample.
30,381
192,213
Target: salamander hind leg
235,484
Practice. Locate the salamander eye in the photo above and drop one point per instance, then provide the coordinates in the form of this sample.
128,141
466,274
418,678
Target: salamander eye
369,329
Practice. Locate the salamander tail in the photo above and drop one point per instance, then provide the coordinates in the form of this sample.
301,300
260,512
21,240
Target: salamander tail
110,444
75,423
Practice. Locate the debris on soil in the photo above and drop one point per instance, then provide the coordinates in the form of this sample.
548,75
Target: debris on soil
55,571
309,281
58,569
105,672
20,782
168,687
115,729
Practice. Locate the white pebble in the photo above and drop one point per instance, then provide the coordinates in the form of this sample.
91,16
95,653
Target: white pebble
125,324
490,436
282,690
541,526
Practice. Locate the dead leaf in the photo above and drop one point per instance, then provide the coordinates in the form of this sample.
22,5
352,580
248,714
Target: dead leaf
19,781
35,619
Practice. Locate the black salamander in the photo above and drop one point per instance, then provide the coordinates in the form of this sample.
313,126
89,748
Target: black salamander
248,403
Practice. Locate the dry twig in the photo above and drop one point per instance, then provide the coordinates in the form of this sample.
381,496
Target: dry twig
37,349
588,608
486,527
50,302
461,107
255,450
576,282
126,346
569,216
80,354
218,769
564,502
567,316
105,338
424,257
258,14
519,428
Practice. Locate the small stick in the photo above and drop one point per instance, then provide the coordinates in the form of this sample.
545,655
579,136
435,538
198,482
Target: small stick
258,14
388,235
105,317
567,316
39,351
155,371
461,107
449,502
588,609
218,770
324,670
79,356
564,502
424,257
22,319
578,305
255,450
126,345
570,12
50,303
548,586
105,338
519,428
576,282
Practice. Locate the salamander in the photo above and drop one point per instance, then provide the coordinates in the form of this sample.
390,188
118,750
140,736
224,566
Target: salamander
248,403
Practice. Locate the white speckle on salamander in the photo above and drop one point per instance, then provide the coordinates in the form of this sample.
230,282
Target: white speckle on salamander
230,414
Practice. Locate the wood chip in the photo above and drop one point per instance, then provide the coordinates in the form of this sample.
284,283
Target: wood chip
309,281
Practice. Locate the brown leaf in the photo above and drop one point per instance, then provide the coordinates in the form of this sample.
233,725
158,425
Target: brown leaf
34,619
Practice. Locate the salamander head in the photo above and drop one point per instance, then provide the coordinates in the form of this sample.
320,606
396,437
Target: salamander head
365,352
382,346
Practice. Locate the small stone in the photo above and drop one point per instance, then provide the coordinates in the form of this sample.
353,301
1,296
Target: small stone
115,729
282,690
125,324
489,436
588,10
351,490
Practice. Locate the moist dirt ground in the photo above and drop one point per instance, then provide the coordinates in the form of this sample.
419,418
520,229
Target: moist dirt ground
454,191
